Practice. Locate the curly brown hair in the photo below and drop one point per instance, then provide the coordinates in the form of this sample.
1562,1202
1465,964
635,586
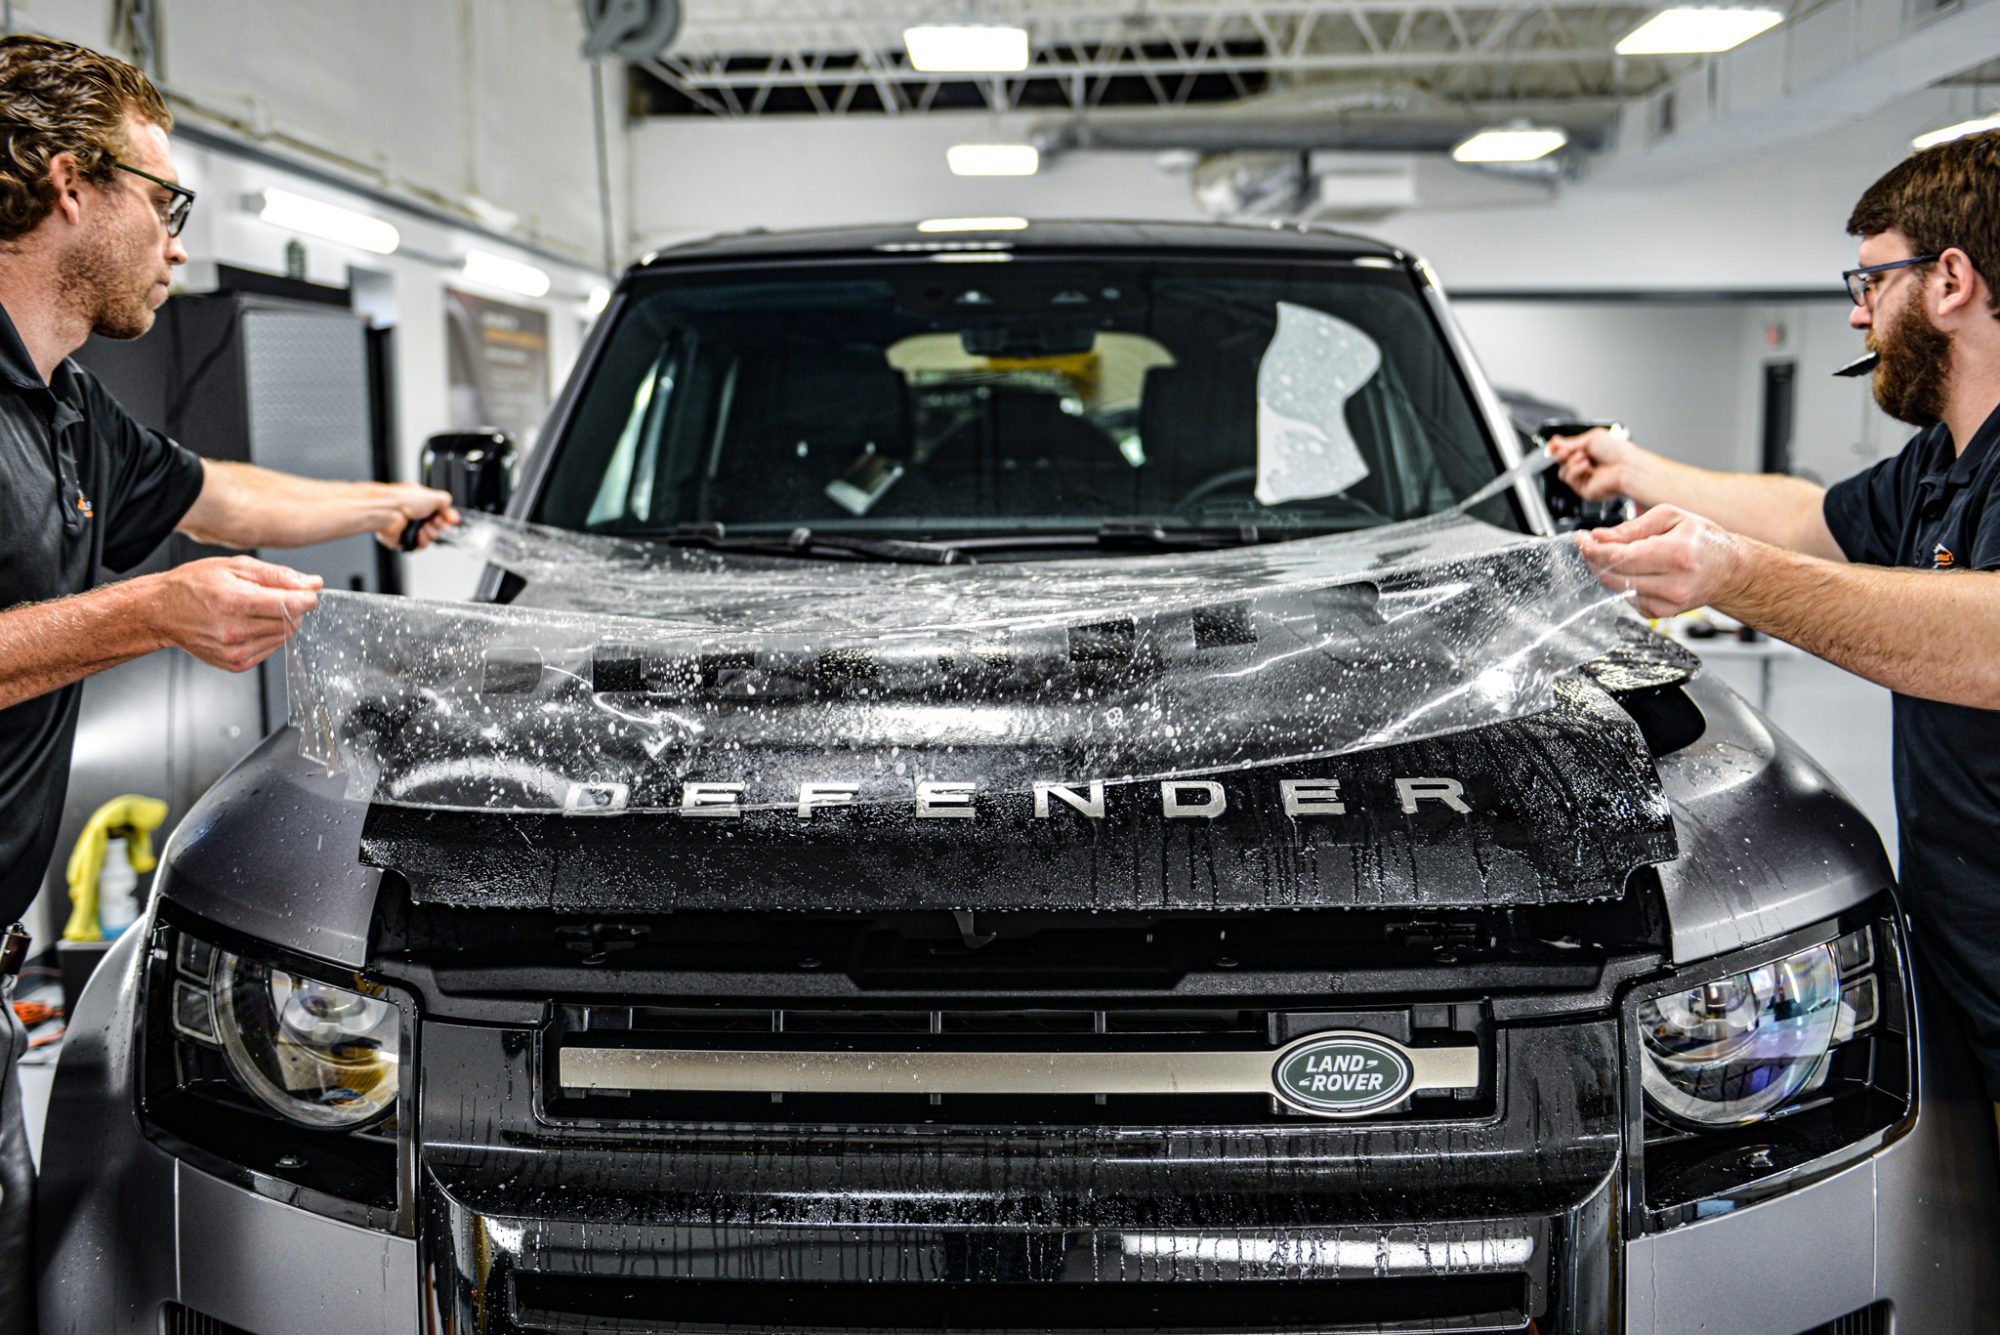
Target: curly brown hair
1939,197
57,97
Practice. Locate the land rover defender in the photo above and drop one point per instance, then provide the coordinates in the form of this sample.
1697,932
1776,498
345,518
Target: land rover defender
1055,779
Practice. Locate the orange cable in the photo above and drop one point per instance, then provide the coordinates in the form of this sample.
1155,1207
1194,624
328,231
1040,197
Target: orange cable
32,1013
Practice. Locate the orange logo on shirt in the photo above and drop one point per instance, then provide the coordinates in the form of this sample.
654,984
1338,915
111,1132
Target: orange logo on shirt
1941,558
83,504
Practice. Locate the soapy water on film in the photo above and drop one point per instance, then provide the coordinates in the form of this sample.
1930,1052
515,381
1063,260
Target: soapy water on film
624,671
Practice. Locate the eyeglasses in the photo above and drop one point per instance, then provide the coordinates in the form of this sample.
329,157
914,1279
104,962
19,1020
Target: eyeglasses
1860,281
176,213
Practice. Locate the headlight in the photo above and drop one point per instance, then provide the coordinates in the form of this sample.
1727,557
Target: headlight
261,1069
1732,1050
319,1055
1760,1075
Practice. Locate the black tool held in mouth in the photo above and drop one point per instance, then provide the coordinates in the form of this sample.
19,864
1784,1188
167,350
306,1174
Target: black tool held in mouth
1861,365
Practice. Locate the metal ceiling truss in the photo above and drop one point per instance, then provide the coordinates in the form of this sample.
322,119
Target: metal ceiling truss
753,57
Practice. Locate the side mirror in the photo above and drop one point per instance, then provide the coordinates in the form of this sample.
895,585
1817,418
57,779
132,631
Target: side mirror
1569,510
476,467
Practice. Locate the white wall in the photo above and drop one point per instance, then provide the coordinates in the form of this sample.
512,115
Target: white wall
1769,221
1657,368
439,100
1838,430
691,176
444,100
1687,377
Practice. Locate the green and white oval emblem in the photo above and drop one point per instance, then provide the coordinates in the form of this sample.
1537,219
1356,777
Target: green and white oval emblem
1342,1074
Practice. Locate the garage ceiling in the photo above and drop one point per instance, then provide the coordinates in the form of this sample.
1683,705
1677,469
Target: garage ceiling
846,57
1277,103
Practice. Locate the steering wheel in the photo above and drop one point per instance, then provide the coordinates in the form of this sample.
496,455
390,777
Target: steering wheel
1231,478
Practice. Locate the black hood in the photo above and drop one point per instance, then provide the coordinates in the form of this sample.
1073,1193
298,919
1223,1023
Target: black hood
1421,714
1556,807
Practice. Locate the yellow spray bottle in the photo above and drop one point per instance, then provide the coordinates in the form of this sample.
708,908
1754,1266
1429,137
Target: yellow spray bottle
130,819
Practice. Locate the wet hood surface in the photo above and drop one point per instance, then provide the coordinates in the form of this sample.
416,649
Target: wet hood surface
1424,715
1556,807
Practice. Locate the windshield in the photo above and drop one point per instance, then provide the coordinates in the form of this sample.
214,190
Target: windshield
928,400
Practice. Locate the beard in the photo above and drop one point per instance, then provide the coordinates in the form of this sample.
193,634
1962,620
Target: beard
1910,382
109,278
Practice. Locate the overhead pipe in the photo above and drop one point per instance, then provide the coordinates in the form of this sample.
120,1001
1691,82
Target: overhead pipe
1233,134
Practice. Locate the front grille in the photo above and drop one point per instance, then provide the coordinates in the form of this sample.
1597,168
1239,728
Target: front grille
659,1218
1876,1320
178,1320
814,1033
1462,1304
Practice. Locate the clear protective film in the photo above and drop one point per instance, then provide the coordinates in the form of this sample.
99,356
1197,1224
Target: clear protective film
629,677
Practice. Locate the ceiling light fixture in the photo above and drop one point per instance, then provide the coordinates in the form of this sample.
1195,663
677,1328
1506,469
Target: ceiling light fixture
595,300
967,49
993,159
1958,131
297,213
483,266
1697,30
1513,143
972,225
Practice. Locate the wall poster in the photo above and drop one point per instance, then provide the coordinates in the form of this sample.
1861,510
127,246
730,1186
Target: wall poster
498,355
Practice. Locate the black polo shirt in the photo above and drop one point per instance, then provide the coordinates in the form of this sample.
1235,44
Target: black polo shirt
82,487
1931,510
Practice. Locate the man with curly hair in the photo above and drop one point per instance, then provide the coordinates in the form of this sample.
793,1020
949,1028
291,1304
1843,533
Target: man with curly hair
91,210
1893,574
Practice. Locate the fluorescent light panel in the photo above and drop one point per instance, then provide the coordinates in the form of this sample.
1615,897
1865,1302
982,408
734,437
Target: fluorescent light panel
1958,131
993,159
972,225
297,213
966,49
483,266
1697,30
1510,145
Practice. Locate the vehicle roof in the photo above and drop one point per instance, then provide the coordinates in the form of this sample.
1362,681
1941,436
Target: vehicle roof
1055,235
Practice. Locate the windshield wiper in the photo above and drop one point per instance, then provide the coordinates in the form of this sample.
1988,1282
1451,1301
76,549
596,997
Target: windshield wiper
1130,535
804,542
1148,536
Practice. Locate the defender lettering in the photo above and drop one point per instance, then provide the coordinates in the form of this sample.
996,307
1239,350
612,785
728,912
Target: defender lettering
1179,799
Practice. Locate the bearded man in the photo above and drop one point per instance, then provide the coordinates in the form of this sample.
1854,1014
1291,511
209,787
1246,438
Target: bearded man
1893,574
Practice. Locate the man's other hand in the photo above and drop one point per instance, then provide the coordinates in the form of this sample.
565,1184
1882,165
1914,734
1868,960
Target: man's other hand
1668,559
1597,465
405,503
231,612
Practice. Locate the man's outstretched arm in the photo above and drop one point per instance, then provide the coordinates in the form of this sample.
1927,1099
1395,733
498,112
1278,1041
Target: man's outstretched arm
231,612
241,505
1924,633
1770,507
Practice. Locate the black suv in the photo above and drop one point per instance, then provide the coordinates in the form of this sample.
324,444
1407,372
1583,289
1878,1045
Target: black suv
1050,779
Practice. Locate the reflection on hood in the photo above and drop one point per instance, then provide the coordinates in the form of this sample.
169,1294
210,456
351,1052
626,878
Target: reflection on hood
628,677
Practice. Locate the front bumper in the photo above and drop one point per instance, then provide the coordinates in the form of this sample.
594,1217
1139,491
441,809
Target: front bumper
537,1226
527,1225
